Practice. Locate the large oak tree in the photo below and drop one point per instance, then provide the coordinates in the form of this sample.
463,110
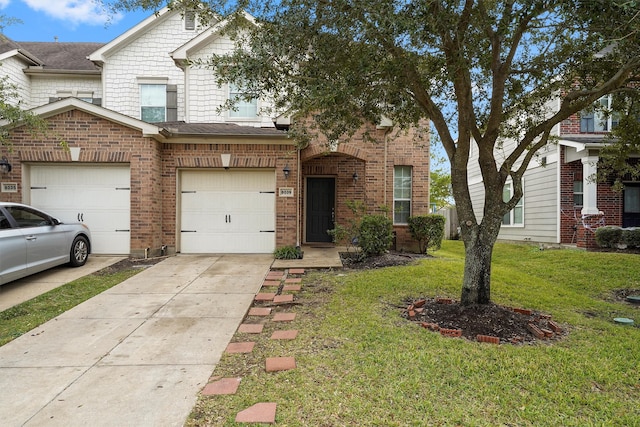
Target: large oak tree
482,71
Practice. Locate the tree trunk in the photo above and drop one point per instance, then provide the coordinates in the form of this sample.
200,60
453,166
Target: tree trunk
478,243
476,284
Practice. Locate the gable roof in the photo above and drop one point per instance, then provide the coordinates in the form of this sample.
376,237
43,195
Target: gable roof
49,57
69,104
9,48
68,56
204,38
131,34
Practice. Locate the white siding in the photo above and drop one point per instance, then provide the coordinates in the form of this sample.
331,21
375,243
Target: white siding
204,95
13,69
146,56
43,88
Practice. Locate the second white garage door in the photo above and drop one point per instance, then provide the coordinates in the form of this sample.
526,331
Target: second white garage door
227,211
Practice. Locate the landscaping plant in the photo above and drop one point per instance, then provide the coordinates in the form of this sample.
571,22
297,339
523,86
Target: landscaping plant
428,230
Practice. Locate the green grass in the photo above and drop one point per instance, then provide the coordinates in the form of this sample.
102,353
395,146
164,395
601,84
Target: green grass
23,317
360,364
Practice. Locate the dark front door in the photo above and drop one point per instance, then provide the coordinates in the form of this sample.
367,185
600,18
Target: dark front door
321,194
631,209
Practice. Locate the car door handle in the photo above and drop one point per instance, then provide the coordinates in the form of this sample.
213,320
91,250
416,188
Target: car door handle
30,238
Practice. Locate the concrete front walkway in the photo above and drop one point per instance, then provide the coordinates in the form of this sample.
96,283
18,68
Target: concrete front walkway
135,355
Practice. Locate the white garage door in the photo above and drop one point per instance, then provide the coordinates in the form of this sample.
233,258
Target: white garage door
97,195
230,211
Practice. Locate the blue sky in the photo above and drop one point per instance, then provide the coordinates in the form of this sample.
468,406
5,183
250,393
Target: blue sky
68,20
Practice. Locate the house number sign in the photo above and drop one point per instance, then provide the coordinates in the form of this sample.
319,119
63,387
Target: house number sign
9,187
286,192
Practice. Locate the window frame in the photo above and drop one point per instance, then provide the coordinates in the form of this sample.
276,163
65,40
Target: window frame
512,213
241,105
397,199
142,86
595,121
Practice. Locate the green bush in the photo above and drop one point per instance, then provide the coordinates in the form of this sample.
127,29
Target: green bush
631,237
428,230
288,252
376,234
608,236
349,235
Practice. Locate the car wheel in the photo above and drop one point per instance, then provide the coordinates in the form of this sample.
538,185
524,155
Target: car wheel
79,251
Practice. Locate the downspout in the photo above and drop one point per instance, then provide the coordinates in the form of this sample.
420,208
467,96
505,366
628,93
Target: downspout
386,148
299,198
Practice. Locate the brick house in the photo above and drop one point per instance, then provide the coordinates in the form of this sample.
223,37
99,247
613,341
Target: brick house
154,166
562,203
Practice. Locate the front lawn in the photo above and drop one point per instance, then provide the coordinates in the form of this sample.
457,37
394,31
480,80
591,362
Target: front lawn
359,363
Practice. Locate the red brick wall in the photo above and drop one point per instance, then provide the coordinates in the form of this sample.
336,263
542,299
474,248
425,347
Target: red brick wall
374,163
154,167
101,141
245,156
609,202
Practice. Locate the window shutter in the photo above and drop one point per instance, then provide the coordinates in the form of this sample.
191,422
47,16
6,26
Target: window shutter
172,103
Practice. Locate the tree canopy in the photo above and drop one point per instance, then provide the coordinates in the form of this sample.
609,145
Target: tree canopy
483,71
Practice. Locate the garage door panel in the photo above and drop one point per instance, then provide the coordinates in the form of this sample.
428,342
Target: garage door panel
230,211
97,195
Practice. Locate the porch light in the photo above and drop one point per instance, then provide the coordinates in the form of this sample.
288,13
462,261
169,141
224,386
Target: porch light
355,177
286,172
5,166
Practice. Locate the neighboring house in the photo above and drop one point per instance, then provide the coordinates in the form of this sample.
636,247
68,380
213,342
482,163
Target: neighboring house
562,202
153,167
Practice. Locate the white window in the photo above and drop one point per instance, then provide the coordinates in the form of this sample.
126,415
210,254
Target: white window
515,217
401,194
598,119
242,108
153,102
578,192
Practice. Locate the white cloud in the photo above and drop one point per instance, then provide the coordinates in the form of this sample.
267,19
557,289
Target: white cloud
73,11
4,3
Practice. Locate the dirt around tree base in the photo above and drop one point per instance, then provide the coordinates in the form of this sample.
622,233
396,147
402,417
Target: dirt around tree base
508,324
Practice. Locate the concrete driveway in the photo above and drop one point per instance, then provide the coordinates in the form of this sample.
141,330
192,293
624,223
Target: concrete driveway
135,355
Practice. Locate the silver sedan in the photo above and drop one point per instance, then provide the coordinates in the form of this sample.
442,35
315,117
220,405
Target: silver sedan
32,241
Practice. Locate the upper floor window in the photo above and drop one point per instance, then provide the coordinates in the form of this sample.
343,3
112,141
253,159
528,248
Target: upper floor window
401,194
600,118
515,217
243,108
153,103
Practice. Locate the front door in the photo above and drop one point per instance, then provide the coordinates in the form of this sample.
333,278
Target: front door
631,209
321,194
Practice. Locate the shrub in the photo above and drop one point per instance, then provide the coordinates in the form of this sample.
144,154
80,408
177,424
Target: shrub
349,235
608,236
631,237
376,234
288,252
428,230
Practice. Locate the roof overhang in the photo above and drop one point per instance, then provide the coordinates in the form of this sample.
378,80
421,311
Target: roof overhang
39,71
181,54
69,104
100,55
21,54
